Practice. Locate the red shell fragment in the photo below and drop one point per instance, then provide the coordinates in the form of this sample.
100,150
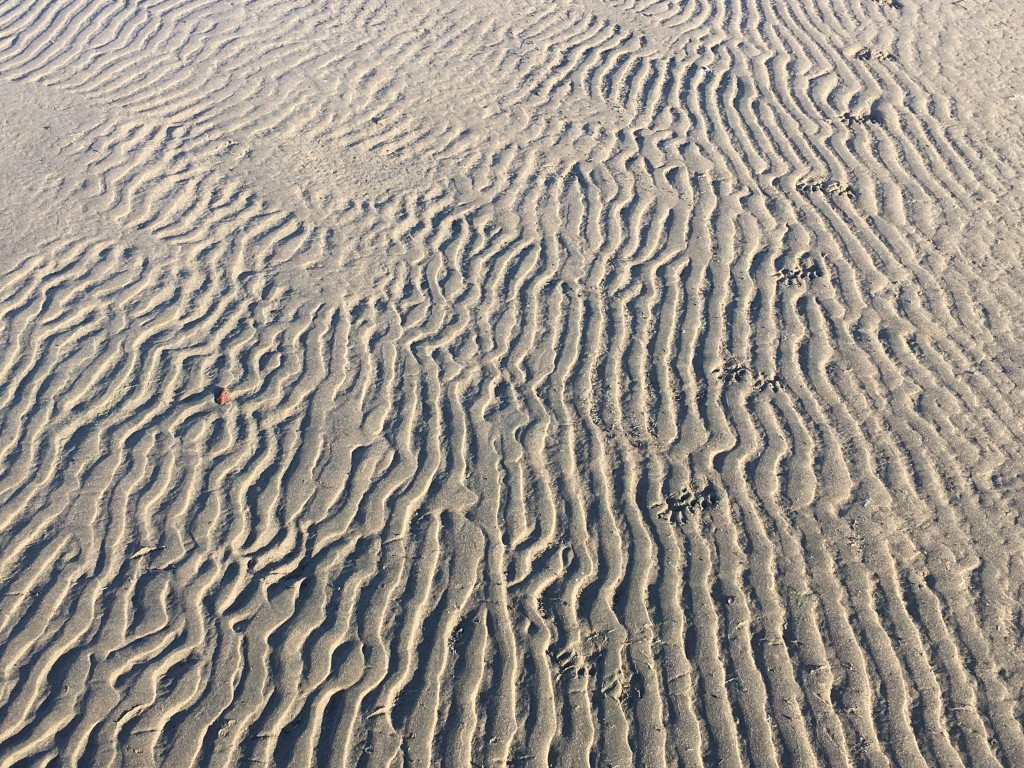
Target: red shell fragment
223,397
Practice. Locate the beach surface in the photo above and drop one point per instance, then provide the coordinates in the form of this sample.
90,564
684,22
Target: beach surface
608,383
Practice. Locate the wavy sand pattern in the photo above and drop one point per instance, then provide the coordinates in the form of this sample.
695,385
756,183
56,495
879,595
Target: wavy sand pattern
614,383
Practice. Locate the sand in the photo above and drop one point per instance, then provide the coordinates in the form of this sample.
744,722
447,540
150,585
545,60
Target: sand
612,383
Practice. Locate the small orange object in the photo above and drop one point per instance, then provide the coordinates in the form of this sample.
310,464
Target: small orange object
223,397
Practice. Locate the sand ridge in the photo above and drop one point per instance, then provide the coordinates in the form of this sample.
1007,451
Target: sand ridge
613,383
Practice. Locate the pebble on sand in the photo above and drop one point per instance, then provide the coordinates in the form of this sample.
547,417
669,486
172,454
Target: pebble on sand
223,397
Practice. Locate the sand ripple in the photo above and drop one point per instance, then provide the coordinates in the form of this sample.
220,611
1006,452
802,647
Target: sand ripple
613,383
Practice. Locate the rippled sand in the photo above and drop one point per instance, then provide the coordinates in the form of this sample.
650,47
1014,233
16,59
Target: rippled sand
612,383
